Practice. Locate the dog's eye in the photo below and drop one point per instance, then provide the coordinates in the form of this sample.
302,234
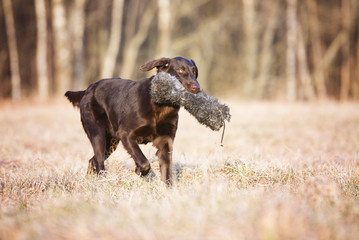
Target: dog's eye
181,71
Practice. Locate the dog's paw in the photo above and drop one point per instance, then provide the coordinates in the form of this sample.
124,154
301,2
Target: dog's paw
150,176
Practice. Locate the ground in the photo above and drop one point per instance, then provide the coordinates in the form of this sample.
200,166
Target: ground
286,171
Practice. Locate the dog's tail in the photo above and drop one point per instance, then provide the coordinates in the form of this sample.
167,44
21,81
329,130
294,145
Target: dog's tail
75,97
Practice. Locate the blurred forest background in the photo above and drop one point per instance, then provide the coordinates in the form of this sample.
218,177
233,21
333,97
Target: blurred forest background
253,49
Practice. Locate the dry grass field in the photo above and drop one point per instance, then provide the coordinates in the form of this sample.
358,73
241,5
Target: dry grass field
286,171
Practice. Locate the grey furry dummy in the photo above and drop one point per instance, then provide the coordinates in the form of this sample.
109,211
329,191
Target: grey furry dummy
167,90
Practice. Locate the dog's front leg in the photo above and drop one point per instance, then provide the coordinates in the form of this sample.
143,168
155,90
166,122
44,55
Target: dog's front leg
164,154
143,166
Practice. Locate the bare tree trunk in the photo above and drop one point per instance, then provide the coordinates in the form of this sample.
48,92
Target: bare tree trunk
133,44
202,51
291,49
333,50
356,88
115,40
204,58
77,32
41,50
345,70
164,23
13,53
319,77
266,52
250,42
353,77
306,90
62,52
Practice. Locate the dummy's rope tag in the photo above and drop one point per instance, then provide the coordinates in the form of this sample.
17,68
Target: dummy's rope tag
224,128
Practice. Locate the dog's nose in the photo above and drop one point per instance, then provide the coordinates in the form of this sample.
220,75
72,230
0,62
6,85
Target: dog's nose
195,88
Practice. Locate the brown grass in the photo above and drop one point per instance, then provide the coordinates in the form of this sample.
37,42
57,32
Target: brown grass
287,171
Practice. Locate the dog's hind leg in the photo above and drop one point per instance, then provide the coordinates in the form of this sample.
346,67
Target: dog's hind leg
95,128
98,142
97,135
111,145
92,166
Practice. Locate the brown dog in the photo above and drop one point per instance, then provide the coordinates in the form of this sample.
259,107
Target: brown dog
114,110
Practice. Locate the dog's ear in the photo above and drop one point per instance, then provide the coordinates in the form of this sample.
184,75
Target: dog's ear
155,63
195,67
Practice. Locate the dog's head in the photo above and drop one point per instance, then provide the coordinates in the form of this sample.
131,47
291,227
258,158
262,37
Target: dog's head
183,69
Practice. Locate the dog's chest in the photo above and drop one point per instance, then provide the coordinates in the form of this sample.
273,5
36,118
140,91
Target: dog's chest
164,122
165,114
